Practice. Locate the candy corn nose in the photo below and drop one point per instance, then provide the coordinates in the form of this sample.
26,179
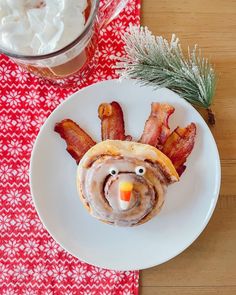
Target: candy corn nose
125,194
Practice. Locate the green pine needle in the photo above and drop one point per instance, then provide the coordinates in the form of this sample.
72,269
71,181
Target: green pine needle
153,60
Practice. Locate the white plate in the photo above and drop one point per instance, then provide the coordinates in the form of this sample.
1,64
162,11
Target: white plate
189,204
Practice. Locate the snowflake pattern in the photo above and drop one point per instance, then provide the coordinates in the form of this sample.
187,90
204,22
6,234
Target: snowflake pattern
9,291
97,275
23,123
4,222
14,148
115,276
40,272
79,273
108,51
118,29
5,122
20,272
59,272
6,172
4,273
32,98
22,172
21,75
32,262
31,247
12,98
132,6
51,248
51,99
12,247
100,75
13,197
5,73
23,222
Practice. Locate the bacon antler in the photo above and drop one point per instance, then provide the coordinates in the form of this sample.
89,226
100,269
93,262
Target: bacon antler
112,121
179,145
156,129
77,140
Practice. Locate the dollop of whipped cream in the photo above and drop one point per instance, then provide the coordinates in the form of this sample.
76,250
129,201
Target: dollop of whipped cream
40,26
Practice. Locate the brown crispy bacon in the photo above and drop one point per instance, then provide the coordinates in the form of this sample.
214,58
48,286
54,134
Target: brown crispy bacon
112,121
179,145
77,140
156,129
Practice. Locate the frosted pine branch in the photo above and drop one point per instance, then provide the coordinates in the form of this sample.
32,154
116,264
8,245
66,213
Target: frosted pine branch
153,60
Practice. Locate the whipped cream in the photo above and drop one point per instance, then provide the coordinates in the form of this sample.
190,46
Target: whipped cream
34,27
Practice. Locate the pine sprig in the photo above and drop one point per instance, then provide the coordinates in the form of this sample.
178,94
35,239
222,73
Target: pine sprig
155,61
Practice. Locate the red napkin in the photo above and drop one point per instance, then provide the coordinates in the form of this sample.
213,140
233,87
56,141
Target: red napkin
31,262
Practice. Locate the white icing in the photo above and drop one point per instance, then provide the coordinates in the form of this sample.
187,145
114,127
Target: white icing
124,205
40,27
100,189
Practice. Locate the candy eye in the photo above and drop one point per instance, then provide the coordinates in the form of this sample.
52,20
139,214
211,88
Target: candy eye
113,171
140,170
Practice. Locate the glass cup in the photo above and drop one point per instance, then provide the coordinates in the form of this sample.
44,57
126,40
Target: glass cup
75,61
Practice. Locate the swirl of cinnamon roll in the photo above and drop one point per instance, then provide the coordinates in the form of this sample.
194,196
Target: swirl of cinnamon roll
124,182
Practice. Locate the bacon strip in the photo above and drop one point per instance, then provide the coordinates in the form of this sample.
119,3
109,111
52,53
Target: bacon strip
77,140
179,145
156,129
112,121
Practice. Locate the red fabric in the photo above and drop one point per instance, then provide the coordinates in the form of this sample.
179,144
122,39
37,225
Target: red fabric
31,262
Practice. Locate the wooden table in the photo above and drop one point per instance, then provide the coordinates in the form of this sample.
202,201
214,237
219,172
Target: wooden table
208,267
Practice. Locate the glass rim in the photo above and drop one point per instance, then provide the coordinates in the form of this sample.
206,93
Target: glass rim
62,50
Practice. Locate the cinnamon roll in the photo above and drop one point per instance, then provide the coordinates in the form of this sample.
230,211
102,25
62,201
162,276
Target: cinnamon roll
124,182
